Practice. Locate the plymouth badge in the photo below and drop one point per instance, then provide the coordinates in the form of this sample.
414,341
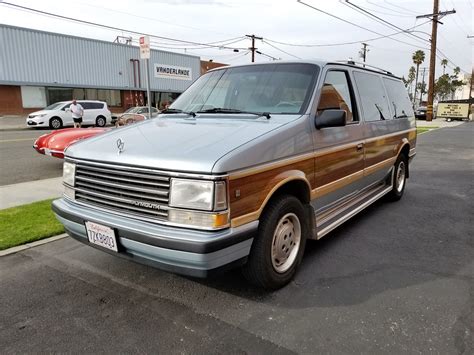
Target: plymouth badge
120,145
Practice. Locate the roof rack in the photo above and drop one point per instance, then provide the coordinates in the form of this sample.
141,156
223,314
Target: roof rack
365,65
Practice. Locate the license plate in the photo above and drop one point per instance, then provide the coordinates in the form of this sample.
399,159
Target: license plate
101,235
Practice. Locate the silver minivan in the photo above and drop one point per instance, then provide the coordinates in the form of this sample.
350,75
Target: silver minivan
244,167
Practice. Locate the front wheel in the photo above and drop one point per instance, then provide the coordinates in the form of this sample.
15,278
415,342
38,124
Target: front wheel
399,178
55,123
100,121
278,248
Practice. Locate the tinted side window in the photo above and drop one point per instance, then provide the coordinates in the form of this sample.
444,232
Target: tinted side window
96,105
336,94
372,97
85,105
398,98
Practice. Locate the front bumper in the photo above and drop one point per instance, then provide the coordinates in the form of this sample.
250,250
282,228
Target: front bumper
33,123
183,251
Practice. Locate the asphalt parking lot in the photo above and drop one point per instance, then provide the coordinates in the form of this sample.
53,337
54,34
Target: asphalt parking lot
398,278
20,162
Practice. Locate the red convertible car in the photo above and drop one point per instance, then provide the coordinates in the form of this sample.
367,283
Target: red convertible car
56,142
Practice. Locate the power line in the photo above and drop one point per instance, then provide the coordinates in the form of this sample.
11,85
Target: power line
104,26
281,50
153,19
367,29
387,8
400,7
394,14
356,25
380,20
346,43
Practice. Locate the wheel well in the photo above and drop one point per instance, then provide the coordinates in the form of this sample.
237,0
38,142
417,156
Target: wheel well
100,116
52,118
406,151
297,188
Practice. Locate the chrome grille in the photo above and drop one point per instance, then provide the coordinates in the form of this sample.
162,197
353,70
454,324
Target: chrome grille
142,194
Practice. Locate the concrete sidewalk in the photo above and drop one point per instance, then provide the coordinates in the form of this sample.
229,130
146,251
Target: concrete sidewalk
12,123
438,123
28,192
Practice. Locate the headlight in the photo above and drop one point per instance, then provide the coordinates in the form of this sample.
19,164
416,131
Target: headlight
42,115
69,172
209,198
198,195
193,194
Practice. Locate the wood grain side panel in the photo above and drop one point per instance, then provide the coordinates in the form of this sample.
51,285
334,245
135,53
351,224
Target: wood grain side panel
384,148
254,189
338,165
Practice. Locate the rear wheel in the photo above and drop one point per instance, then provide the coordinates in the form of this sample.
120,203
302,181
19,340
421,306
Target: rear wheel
55,123
100,121
399,178
279,246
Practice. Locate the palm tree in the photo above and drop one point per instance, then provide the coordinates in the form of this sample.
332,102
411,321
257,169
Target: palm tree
418,58
411,78
444,62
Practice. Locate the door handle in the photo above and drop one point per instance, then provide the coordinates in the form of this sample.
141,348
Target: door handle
360,146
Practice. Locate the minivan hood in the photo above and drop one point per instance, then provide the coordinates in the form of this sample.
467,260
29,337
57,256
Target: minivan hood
176,144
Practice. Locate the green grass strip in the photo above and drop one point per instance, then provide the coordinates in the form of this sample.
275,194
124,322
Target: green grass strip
27,223
420,130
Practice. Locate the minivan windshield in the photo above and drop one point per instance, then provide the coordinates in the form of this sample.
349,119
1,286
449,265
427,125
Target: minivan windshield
271,88
54,106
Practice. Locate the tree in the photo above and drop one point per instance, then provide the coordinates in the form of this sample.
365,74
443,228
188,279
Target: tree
442,87
418,57
447,85
411,77
444,62
421,87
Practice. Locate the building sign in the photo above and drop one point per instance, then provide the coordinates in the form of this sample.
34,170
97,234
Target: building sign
166,71
452,110
144,47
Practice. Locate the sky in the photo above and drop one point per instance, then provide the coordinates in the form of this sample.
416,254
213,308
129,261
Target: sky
289,22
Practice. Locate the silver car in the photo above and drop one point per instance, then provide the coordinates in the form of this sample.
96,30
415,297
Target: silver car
242,169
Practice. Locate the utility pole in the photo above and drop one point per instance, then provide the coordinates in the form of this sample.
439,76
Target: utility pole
363,52
434,34
253,49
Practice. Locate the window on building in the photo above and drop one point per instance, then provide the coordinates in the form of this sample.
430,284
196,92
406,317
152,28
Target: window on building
398,97
161,99
58,94
336,94
78,94
372,96
90,94
112,97
33,96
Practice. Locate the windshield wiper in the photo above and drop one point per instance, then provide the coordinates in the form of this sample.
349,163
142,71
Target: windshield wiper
175,110
231,110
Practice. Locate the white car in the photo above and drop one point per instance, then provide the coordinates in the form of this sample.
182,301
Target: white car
58,115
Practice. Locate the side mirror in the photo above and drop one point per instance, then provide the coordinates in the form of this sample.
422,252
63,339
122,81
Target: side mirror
330,118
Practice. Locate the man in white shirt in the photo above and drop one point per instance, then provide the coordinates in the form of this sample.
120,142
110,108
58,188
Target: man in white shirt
77,112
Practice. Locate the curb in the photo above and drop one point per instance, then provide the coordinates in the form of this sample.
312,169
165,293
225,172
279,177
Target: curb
19,248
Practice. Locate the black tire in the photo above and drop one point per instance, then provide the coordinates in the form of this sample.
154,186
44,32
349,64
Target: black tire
260,270
398,186
55,123
100,121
